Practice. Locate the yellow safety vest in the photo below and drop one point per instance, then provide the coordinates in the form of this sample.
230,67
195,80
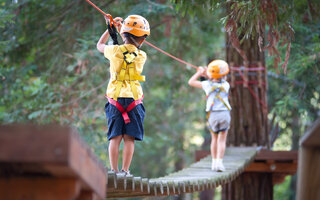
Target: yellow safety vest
128,73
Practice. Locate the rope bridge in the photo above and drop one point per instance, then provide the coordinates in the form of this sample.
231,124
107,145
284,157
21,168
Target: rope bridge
52,162
197,177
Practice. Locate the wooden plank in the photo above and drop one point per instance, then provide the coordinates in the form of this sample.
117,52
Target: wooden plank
84,163
29,144
262,155
277,167
49,150
265,154
39,188
312,137
308,173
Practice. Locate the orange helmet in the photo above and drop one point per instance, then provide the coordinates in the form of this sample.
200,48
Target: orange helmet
218,68
135,25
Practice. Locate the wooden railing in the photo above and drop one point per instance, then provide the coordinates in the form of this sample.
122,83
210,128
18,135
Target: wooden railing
48,162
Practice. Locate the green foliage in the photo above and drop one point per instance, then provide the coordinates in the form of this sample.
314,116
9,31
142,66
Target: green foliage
295,98
282,191
52,72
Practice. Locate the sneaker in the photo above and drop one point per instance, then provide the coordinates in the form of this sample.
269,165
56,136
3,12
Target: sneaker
220,167
125,173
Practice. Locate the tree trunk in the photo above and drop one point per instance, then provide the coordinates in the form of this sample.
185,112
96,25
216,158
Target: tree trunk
249,186
249,123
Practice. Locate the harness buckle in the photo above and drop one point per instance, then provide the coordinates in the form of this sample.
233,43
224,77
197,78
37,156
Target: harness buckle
129,57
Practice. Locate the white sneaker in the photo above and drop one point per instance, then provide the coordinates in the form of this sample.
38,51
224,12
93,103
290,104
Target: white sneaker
214,165
220,167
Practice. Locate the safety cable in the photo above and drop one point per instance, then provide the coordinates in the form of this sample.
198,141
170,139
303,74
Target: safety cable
105,14
168,54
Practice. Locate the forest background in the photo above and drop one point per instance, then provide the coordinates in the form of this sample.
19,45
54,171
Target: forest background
51,72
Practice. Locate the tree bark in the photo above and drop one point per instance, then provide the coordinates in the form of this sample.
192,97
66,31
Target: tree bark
249,186
249,125
249,122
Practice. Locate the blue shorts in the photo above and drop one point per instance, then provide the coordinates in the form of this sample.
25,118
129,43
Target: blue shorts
116,125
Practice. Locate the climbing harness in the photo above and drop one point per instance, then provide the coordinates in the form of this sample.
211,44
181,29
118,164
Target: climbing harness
220,89
127,73
123,111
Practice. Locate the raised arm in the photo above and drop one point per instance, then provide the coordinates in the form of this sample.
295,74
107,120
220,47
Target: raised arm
193,81
102,41
105,36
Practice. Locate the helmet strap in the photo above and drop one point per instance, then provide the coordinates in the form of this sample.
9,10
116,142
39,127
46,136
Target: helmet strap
136,43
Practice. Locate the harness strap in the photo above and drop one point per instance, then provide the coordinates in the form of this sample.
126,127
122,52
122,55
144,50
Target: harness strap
123,111
218,96
136,77
131,76
209,127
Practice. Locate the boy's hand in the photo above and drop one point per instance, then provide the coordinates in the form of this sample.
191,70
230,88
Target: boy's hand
118,23
201,71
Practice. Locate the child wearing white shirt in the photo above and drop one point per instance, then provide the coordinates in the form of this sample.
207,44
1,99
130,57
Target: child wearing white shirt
217,107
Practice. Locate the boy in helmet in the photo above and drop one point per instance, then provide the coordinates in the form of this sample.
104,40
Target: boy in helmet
218,107
124,109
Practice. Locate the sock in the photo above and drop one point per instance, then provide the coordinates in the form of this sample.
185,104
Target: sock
219,160
214,162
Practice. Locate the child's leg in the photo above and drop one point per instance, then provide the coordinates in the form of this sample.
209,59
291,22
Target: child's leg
213,150
128,150
222,138
213,146
114,152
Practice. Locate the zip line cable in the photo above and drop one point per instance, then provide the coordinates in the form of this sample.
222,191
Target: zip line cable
168,54
96,7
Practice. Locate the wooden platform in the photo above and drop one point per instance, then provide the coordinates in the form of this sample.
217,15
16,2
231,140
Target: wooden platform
309,173
197,177
48,162
279,163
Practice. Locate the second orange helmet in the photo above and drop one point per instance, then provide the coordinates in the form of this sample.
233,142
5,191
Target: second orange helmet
218,68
